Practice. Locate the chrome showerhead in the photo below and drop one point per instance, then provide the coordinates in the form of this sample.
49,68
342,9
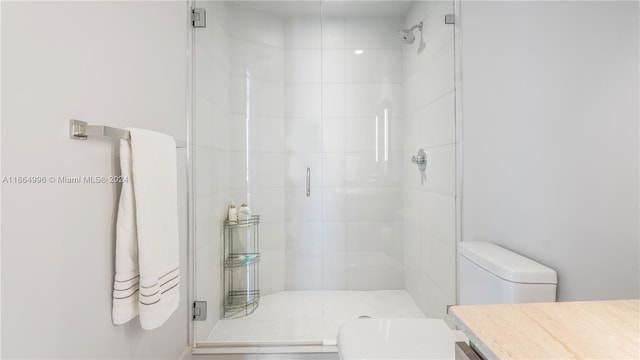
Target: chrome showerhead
406,35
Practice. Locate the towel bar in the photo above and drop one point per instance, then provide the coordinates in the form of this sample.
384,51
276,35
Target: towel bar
80,130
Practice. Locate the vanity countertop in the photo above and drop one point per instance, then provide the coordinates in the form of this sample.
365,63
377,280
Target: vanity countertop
563,330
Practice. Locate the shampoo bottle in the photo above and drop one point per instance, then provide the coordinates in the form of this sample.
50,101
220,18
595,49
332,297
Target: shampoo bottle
233,213
244,213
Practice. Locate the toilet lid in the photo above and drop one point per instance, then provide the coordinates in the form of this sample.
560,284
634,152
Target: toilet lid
369,339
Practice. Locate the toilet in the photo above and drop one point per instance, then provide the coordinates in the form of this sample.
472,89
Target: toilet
488,274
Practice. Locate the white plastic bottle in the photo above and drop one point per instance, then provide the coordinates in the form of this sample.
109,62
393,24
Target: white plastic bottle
244,213
233,213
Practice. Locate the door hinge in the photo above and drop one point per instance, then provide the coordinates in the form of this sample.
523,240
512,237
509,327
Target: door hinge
199,310
198,17
449,19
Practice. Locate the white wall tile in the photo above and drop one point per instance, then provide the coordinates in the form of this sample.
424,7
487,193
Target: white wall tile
203,125
333,169
300,208
374,66
440,265
334,272
363,134
437,217
334,203
333,100
383,236
238,172
203,170
303,135
255,25
362,169
261,98
367,100
437,122
266,170
269,204
258,60
303,66
220,178
211,82
334,240
372,32
333,134
266,134
238,132
272,271
303,273
438,73
333,36
374,271
303,100
303,239
333,66
272,236
374,204
204,221
303,32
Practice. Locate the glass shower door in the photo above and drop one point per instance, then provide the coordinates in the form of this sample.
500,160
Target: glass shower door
310,112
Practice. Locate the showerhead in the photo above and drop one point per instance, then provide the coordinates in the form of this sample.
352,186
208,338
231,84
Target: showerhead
406,35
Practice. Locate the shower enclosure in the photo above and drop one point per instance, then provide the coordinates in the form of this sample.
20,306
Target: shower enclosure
310,112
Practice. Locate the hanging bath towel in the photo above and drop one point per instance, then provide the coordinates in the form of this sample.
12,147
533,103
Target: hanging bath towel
147,242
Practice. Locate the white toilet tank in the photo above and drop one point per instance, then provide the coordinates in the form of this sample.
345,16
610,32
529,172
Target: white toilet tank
489,274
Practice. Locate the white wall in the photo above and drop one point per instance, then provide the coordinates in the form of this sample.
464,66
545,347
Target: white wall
550,102
119,64
429,123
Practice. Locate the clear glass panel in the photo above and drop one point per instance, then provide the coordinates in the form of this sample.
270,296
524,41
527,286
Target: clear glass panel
310,112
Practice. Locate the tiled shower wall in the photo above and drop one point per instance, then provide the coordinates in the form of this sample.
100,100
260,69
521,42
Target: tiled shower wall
429,120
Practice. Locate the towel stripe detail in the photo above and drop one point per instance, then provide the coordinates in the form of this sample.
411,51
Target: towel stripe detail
173,278
148,299
156,283
137,276
136,284
126,297
176,269
155,293
178,283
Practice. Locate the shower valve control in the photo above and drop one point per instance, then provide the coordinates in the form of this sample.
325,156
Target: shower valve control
420,160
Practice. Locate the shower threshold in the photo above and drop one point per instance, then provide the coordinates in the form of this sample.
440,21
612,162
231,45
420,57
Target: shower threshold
308,320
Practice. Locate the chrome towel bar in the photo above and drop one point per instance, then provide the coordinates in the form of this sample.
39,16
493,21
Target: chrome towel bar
80,130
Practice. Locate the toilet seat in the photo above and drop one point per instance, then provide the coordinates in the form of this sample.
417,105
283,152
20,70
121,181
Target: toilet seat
417,339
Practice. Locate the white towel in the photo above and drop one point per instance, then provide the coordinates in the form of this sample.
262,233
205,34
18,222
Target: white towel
147,246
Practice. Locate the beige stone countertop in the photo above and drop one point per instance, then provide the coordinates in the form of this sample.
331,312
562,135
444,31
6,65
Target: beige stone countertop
563,330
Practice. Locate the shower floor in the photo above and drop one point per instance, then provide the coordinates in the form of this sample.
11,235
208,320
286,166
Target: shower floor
312,315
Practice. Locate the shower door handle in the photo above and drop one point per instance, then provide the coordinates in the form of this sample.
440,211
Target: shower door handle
308,181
